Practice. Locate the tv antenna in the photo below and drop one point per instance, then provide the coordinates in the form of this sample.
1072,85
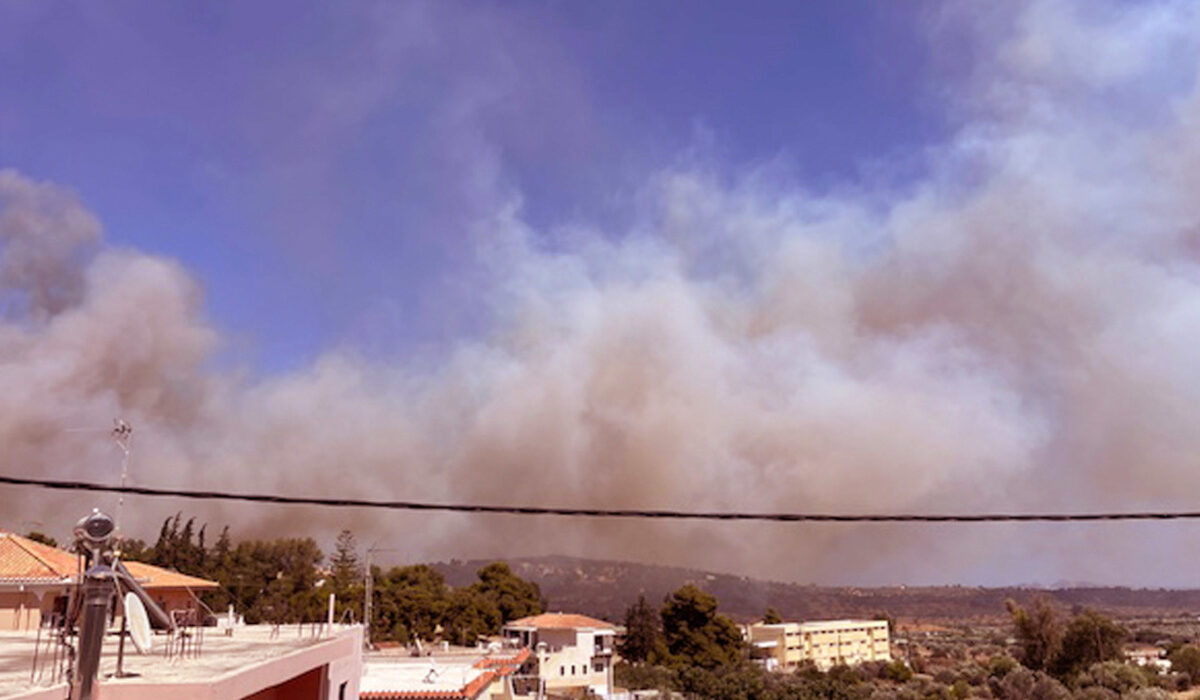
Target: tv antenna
122,434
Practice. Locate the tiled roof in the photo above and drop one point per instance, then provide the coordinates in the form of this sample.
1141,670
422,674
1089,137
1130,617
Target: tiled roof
560,621
24,561
152,577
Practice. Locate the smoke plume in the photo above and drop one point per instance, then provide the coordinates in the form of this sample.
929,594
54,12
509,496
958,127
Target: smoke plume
1014,330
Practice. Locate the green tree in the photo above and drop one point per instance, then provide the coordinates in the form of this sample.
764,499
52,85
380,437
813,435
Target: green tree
275,580
1186,660
410,603
1038,630
42,538
695,633
344,563
1024,684
175,549
643,633
132,549
1116,676
1090,638
469,615
772,617
511,595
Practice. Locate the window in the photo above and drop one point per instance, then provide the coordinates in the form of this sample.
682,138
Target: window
342,690
572,669
562,670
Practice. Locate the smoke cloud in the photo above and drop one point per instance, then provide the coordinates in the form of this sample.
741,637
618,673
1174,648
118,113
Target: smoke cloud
1014,330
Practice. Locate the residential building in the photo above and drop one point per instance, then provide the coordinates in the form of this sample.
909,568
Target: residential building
1147,655
569,652
460,674
826,643
35,581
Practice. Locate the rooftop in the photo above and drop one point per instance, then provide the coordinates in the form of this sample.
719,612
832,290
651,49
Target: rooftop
24,561
560,621
220,656
464,674
819,625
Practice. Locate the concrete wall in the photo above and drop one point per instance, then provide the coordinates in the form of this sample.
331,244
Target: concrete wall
23,610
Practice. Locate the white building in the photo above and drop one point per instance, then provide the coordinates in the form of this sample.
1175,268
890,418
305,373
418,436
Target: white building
826,643
568,651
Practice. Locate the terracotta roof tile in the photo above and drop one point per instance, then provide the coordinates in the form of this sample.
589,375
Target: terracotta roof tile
561,621
22,559
155,577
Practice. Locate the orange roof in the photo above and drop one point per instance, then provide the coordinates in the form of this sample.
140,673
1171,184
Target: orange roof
559,621
25,561
151,577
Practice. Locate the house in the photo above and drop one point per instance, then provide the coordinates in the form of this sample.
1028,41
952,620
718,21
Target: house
827,643
569,652
1147,655
451,675
36,579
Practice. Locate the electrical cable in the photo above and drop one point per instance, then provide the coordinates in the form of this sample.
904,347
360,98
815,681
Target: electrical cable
598,512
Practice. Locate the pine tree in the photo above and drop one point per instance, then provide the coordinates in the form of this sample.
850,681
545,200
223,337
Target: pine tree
643,633
344,563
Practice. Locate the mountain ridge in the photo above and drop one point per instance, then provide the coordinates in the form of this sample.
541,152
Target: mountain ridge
606,588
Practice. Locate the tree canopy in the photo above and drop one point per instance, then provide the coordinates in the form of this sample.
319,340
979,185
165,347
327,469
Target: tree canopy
1088,638
643,639
280,581
695,633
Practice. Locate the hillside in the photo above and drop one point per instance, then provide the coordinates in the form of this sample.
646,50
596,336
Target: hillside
606,588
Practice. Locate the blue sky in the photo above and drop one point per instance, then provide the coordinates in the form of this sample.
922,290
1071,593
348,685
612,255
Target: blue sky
316,165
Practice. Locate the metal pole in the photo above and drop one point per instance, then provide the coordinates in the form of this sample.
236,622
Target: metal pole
121,644
97,591
367,604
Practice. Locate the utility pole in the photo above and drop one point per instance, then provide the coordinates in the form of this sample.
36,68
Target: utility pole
367,602
369,589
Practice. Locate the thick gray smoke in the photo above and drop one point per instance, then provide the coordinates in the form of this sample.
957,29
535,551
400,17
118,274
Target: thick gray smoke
1016,330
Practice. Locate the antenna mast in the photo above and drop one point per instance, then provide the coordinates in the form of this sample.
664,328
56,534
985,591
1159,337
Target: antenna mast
122,434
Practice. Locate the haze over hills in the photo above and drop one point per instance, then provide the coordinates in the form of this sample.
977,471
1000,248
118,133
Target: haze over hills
606,588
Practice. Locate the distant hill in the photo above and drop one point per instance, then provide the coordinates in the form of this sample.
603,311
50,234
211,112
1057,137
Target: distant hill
606,588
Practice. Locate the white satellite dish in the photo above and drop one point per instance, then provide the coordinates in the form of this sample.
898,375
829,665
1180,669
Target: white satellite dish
138,623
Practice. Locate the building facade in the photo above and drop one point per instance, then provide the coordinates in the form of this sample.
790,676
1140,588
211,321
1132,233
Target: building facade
569,652
826,643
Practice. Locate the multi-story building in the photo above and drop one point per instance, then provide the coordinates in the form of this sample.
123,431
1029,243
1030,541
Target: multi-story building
826,643
568,652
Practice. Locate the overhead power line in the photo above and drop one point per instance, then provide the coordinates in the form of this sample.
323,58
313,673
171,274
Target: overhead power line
597,512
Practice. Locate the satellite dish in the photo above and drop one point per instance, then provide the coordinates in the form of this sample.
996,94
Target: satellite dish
138,623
